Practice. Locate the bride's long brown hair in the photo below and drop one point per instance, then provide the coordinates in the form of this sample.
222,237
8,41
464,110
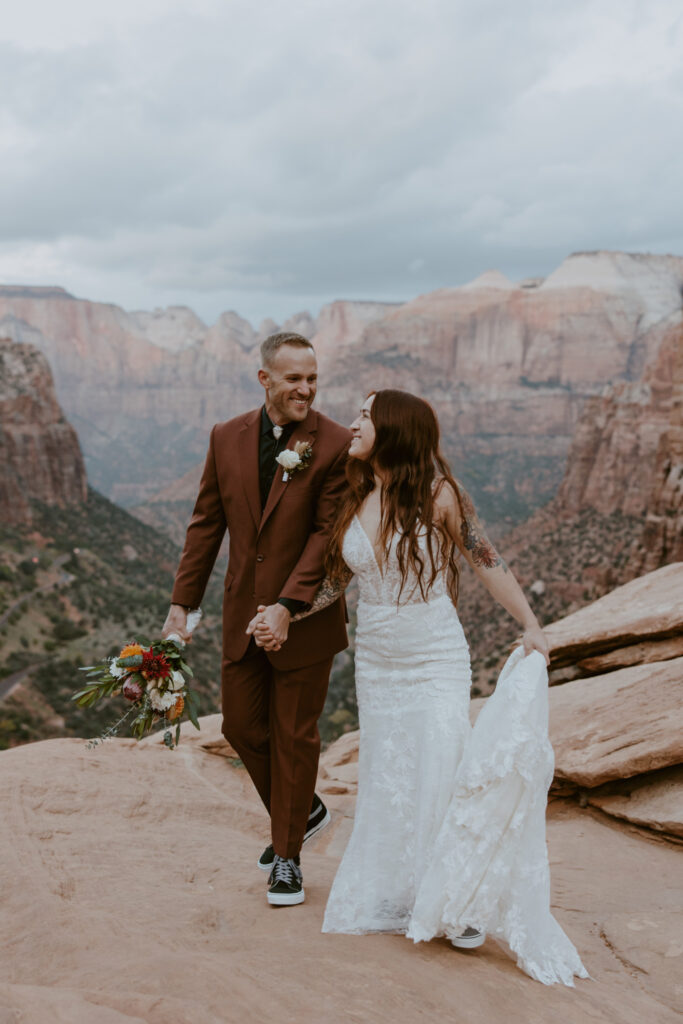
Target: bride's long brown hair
407,455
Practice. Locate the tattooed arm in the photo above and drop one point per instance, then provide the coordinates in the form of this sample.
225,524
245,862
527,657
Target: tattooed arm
328,592
471,539
465,528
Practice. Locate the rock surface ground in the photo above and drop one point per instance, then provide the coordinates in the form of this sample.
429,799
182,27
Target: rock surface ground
130,893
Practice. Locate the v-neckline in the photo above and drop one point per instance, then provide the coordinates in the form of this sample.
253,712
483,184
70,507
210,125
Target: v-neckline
369,543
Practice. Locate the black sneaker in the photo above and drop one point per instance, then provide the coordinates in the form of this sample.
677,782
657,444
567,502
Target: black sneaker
317,819
286,884
265,861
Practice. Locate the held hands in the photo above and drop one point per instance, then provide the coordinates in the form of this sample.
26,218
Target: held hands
270,626
534,639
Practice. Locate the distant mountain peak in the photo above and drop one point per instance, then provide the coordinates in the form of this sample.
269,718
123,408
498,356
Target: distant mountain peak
490,279
30,291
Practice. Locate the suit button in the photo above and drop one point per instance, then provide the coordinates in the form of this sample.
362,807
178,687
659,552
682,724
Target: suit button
259,558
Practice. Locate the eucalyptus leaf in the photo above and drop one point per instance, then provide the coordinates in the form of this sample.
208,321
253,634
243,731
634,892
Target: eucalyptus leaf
130,661
192,714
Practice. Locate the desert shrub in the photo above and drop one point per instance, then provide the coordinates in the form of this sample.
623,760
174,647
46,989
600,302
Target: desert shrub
66,630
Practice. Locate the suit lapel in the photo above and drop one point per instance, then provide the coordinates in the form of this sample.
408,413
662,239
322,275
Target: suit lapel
304,432
249,445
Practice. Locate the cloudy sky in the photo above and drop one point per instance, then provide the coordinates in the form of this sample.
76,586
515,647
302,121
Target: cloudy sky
268,157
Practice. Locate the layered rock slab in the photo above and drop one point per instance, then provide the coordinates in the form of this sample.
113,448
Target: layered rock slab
618,725
647,608
130,892
653,801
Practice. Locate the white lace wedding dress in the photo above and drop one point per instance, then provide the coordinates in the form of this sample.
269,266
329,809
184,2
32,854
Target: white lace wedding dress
449,830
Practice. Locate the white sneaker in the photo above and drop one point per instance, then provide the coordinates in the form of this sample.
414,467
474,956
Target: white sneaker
469,939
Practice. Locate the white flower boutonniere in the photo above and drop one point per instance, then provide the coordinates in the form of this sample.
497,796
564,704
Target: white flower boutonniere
295,459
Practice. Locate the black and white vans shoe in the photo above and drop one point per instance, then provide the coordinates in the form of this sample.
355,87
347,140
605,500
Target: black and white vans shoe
286,884
470,939
317,819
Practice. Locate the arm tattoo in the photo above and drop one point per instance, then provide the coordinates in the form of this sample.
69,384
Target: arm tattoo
474,539
328,592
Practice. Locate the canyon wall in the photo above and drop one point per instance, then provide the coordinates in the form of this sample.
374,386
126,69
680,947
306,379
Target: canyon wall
627,456
40,457
507,366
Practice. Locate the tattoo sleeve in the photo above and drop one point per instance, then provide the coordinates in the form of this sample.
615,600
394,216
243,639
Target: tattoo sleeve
328,592
474,539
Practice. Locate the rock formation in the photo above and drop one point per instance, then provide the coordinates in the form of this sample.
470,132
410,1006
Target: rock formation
142,411
507,366
40,457
624,626
627,455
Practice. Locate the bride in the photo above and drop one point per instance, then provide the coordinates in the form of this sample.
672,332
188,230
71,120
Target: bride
449,829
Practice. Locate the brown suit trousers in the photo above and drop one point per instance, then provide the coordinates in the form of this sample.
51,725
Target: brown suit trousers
271,700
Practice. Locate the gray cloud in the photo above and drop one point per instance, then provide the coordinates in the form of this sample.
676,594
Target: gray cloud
266,157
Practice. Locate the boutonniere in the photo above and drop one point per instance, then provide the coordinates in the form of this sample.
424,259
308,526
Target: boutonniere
295,459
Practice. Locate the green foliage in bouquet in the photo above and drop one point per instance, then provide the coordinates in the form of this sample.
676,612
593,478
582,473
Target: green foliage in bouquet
153,678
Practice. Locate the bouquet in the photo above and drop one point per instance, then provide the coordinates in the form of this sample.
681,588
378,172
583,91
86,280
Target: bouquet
153,678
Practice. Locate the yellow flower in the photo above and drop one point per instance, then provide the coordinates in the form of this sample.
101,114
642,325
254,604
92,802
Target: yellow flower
130,650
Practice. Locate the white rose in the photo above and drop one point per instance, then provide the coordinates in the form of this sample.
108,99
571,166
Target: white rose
115,671
161,701
288,459
177,681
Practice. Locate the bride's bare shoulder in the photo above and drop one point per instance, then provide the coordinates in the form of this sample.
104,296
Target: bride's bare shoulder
450,499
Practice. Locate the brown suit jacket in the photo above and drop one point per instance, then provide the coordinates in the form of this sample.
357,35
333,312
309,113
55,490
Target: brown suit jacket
277,553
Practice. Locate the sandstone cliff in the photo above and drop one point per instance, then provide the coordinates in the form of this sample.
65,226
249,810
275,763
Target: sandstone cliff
144,389
627,457
508,367
40,457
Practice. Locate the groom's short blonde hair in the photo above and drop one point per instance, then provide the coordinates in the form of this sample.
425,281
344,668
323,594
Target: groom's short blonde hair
275,341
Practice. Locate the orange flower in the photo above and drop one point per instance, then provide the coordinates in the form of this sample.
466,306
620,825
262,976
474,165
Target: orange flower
130,650
177,709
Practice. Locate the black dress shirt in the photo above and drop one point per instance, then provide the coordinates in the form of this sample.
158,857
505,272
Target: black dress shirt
269,448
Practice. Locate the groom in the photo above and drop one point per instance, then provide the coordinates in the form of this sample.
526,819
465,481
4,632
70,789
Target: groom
278,525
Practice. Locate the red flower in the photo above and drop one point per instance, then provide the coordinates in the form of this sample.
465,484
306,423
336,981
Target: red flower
131,689
155,666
